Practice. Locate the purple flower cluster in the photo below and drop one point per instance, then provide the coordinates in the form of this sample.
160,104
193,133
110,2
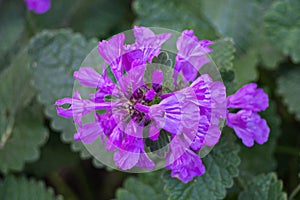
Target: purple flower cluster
247,124
38,6
133,110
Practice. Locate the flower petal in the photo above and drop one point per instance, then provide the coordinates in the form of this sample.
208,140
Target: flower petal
249,127
250,98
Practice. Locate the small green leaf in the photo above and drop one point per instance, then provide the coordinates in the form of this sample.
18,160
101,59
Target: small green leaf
55,55
145,186
163,59
12,188
282,23
157,146
265,187
177,15
221,166
288,87
27,135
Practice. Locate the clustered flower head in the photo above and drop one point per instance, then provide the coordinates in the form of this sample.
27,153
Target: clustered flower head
38,6
134,109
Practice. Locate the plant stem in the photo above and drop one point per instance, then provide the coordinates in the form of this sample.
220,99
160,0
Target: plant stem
295,192
61,187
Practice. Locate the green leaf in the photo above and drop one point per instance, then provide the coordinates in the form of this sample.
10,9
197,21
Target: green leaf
54,156
22,145
265,187
288,88
146,186
177,15
21,131
221,166
157,146
260,158
55,55
222,56
268,54
245,68
245,26
282,23
223,53
12,25
13,188
240,24
15,93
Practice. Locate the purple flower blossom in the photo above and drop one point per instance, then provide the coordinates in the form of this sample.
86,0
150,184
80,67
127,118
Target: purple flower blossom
89,132
78,107
250,98
247,124
133,110
38,6
184,163
191,55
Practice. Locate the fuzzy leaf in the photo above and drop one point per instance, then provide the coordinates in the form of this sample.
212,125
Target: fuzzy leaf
221,166
55,55
16,93
288,87
14,79
222,56
282,24
54,156
265,187
145,186
240,24
245,68
22,145
13,188
245,26
177,15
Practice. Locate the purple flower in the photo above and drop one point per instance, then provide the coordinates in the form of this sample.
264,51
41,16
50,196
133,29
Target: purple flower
247,124
89,132
132,110
38,6
78,107
183,162
112,51
191,55
250,98
147,44
132,154
249,127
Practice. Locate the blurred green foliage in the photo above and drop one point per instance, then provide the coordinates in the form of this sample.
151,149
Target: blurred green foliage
257,40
